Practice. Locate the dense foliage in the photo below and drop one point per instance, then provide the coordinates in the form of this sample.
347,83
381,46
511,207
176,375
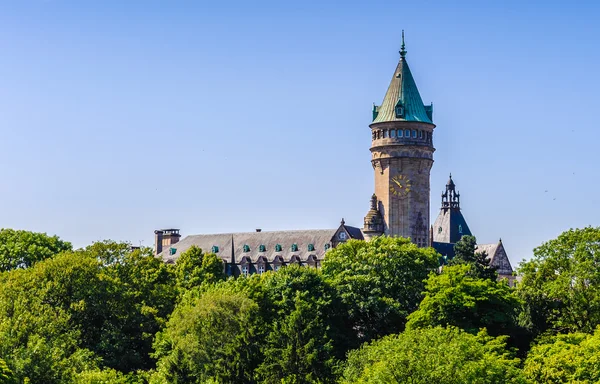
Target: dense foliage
434,355
376,312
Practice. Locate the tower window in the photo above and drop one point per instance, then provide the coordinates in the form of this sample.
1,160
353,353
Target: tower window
420,134
399,133
399,111
407,133
385,133
414,134
215,249
393,133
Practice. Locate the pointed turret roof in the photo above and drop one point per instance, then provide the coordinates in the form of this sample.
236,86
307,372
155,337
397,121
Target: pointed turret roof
402,92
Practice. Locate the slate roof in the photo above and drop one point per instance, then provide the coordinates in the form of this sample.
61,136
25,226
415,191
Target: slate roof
444,249
497,256
451,221
231,245
404,89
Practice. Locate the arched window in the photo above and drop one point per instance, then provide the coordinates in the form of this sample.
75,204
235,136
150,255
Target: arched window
399,133
459,228
385,133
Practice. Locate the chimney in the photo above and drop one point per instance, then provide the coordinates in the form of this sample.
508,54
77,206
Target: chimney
258,230
158,241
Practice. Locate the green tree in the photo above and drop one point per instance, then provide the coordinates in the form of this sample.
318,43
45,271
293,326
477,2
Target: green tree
560,285
434,355
6,375
194,267
465,252
380,282
569,358
210,337
457,298
22,249
136,293
306,331
38,339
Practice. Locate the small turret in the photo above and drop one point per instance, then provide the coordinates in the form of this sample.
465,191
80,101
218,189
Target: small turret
373,224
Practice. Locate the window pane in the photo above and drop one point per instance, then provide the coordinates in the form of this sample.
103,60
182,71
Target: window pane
393,133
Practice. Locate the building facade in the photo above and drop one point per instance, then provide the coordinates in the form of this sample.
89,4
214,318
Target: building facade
402,156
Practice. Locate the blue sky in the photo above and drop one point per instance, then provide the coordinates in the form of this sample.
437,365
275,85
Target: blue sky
121,117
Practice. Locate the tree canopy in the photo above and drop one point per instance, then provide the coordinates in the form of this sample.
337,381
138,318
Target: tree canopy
380,281
434,355
457,298
560,285
22,249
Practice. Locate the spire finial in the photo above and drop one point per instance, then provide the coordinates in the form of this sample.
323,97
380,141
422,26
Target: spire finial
402,48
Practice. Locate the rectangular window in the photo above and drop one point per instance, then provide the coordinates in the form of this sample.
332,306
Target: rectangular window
414,134
245,270
261,269
407,133
399,133
420,134
393,133
385,133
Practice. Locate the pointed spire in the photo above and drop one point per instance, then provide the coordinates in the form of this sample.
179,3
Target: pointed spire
403,47
402,101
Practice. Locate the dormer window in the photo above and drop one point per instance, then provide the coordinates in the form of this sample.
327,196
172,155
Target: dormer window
460,228
215,249
311,247
327,246
294,247
246,248
262,248
172,251
399,111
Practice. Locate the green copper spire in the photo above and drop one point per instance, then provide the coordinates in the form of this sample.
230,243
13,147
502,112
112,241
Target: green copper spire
402,101
402,48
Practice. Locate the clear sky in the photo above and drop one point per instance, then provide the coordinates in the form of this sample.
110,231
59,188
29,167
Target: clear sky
121,117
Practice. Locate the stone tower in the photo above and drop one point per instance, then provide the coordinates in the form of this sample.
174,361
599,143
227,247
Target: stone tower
402,156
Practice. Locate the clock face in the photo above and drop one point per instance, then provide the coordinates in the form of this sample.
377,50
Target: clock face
400,186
